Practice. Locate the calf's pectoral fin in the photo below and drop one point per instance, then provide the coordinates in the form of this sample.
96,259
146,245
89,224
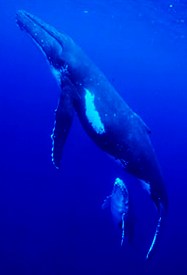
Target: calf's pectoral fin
122,228
106,202
63,121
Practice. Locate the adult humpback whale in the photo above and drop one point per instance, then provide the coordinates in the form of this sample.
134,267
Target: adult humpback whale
104,115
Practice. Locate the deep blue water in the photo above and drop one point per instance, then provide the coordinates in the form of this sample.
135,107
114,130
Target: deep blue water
51,221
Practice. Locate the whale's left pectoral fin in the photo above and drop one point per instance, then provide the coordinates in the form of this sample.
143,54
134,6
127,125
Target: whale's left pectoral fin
63,121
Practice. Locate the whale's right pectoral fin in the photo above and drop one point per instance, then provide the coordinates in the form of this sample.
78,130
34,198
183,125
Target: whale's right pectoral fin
63,121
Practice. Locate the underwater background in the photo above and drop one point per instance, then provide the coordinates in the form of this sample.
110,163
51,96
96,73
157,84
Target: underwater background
51,221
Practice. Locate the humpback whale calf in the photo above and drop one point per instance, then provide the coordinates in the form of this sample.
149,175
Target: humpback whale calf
103,113
118,202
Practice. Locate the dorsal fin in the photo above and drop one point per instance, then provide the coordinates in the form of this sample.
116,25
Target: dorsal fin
148,130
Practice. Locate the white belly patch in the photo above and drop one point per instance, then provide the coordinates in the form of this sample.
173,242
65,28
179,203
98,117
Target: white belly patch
92,114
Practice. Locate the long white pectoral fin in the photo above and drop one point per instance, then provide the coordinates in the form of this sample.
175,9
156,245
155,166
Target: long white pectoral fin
106,202
155,237
122,228
63,121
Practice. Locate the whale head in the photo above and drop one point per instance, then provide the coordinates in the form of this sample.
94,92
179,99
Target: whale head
58,48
